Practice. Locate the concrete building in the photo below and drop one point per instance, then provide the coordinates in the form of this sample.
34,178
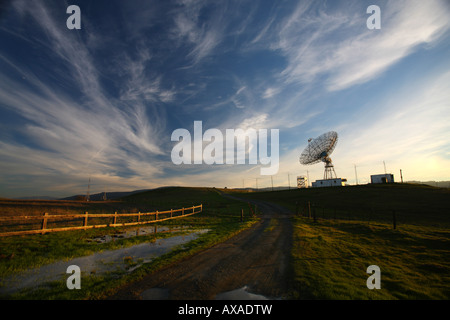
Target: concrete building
338,182
302,182
382,178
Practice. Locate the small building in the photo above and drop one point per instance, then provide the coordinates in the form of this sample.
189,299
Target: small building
382,178
302,182
338,182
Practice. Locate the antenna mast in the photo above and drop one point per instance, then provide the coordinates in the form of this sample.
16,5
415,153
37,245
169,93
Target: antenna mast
318,150
89,186
329,169
307,173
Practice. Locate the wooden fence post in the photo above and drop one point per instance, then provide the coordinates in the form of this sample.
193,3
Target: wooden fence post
85,219
242,215
44,222
46,216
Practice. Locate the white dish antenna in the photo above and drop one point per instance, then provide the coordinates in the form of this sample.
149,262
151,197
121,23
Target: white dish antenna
319,149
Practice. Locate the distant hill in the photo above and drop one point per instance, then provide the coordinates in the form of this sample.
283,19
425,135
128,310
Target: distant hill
266,188
109,195
118,195
37,198
440,184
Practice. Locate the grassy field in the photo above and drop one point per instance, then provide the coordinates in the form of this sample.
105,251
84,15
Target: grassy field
354,229
413,204
18,253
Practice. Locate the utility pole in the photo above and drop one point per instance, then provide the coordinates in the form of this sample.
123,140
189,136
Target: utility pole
257,183
356,175
89,186
401,175
104,194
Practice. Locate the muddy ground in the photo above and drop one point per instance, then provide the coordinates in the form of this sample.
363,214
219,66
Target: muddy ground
257,258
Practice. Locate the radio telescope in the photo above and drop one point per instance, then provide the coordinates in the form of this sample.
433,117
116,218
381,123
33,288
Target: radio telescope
319,149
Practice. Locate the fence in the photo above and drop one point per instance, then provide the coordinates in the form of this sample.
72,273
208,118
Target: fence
313,211
141,218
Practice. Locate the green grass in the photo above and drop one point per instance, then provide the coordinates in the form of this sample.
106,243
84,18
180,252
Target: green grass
330,260
330,256
413,204
220,215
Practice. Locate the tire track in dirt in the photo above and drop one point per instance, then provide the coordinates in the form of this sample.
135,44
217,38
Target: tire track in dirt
257,258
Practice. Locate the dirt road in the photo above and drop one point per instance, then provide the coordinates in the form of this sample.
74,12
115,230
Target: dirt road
256,258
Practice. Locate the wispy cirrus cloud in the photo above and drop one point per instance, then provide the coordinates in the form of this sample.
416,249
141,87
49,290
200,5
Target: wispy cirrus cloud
104,99
203,35
140,84
92,133
407,129
336,44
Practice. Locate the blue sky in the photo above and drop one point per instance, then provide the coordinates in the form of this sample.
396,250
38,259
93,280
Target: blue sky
103,101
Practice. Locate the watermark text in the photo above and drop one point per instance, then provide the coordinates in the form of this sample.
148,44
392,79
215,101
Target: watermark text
251,147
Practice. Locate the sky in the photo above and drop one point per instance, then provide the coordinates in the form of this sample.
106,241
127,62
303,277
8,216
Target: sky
102,102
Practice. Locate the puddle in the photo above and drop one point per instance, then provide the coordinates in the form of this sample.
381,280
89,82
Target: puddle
240,294
127,259
142,231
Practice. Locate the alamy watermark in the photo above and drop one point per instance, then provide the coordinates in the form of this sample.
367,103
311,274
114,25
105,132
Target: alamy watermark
74,21
73,281
251,145
374,281
374,21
